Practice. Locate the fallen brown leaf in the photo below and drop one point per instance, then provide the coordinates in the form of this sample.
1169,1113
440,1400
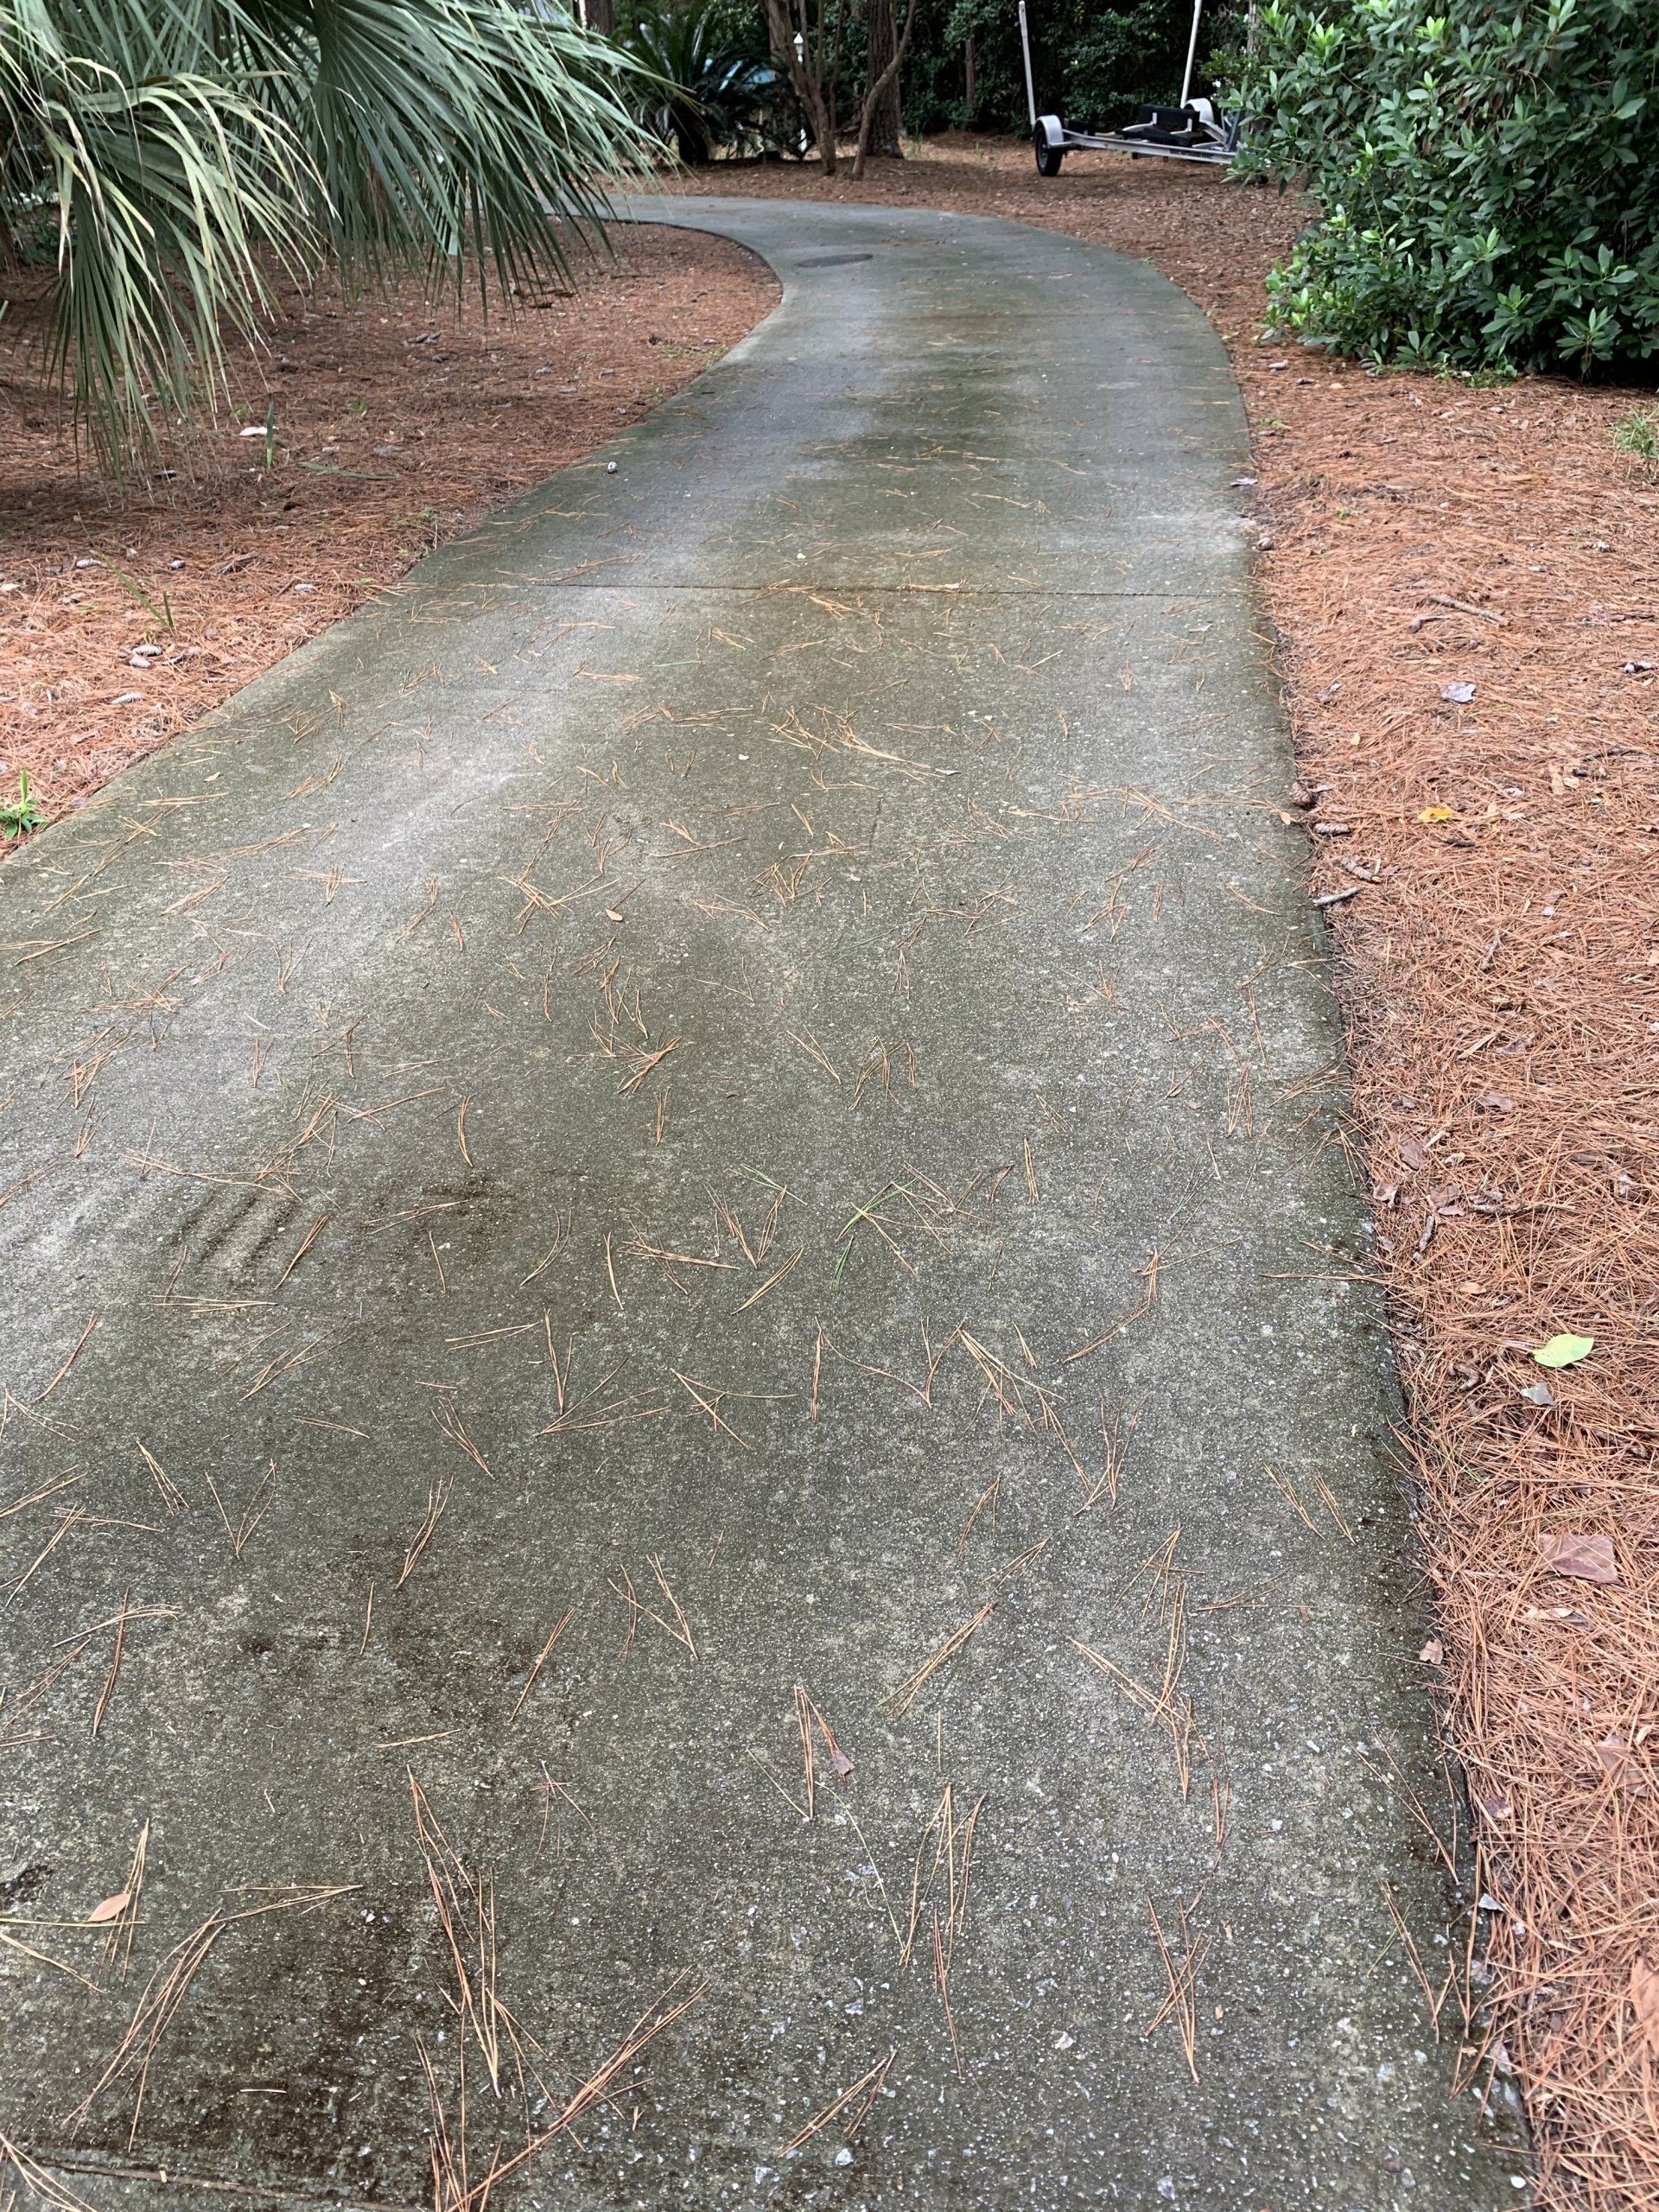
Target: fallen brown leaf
1588,1558
1644,2000
1620,1765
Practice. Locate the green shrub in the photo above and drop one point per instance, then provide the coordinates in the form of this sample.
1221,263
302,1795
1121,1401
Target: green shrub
1484,172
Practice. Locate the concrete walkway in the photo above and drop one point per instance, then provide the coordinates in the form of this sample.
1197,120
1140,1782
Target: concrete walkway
726,1345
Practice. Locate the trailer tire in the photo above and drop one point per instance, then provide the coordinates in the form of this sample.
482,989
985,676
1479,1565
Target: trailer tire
1048,157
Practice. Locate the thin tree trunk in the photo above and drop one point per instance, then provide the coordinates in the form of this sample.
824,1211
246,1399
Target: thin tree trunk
887,120
602,16
814,86
969,84
878,86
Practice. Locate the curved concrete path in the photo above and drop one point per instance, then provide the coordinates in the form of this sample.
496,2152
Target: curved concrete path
700,1157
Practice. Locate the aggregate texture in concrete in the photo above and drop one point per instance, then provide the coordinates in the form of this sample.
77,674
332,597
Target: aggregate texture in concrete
696,1450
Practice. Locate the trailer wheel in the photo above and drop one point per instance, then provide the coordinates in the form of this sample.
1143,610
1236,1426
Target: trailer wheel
1048,157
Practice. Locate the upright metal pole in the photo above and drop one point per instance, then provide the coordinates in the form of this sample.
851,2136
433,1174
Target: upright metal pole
1025,48
1192,49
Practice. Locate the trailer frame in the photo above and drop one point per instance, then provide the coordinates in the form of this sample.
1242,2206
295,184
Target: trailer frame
1053,138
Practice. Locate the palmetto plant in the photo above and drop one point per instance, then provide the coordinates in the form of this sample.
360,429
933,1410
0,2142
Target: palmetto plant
171,158
699,86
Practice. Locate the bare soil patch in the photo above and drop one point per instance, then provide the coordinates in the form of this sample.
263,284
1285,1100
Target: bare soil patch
395,423
1466,584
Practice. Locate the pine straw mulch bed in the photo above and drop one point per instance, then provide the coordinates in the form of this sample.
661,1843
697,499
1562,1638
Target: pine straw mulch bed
1498,964
395,423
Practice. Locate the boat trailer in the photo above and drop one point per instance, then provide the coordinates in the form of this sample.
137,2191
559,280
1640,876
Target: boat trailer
1189,131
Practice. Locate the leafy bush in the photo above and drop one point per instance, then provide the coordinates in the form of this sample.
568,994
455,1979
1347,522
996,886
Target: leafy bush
1484,172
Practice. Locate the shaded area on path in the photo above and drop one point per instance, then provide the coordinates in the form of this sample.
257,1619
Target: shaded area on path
731,1352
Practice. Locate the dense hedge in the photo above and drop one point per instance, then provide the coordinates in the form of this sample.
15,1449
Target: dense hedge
1485,171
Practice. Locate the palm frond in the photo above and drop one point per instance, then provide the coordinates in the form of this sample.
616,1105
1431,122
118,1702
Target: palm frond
186,152
171,194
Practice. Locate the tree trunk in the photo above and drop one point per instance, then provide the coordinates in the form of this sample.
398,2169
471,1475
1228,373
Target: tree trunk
879,87
970,82
814,86
887,120
602,16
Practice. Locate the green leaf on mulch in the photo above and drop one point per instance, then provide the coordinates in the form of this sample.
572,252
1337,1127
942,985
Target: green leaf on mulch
1564,1351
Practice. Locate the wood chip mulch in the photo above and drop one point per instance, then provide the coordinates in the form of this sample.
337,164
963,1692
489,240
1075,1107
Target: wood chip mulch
395,423
1465,586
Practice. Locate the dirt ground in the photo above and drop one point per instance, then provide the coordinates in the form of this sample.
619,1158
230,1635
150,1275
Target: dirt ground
1465,586
395,424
